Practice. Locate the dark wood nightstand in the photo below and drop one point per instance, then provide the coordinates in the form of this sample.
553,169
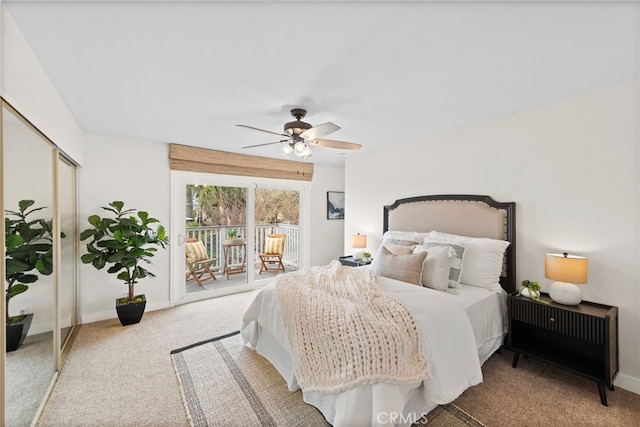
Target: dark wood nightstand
582,339
351,262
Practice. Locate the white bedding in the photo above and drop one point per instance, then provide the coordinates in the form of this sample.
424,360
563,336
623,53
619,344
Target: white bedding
458,333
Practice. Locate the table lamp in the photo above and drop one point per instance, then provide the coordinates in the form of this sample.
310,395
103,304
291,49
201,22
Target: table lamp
567,270
358,243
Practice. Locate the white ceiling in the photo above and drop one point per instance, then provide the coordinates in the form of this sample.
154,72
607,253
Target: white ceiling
386,72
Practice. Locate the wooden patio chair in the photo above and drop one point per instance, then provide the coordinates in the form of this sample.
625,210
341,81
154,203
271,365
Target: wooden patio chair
198,262
271,257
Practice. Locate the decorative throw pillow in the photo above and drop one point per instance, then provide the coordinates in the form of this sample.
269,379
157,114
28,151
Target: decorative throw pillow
437,265
274,245
195,251
406,268
483,258
398,249
455,270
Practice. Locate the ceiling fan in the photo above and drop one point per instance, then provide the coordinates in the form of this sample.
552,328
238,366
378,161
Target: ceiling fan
299,136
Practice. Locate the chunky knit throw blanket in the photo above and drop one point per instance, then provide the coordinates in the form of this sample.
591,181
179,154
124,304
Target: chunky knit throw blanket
343,331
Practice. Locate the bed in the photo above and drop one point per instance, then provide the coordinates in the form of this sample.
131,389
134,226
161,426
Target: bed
458,327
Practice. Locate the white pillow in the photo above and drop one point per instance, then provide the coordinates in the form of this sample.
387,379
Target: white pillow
436,266
483,258
456,261
408,236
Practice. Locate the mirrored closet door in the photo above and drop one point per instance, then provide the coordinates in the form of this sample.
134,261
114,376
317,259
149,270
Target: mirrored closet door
28,178
40,246
68,249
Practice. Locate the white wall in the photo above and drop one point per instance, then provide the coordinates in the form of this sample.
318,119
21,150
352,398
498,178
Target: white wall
572,168
137,172
25,85
326,235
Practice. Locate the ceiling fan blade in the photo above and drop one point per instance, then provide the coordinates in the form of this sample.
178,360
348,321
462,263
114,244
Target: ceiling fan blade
266,143
342,145
320,130
262,130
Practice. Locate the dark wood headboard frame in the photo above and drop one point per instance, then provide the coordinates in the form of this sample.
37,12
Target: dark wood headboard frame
508,279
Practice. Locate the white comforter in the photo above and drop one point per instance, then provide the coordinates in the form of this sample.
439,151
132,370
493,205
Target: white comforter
448,344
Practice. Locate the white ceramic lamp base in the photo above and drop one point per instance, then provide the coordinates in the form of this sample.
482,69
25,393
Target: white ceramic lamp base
565,293
358,254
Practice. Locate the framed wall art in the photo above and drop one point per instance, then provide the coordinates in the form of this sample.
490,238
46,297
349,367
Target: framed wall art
335,205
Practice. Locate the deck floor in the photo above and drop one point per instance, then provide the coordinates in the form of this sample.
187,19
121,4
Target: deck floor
222,281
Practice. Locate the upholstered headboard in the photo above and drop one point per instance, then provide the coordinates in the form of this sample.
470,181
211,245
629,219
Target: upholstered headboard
467,215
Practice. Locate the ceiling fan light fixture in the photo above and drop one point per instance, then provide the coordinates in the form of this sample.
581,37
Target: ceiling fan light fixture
306,153
299,136
286,150
300,147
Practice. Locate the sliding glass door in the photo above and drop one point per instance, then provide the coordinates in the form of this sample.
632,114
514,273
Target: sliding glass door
276,215
220,228
216,221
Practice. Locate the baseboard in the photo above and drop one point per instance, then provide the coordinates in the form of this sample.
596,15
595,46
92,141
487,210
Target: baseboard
40,327
98,316
111,314
628,383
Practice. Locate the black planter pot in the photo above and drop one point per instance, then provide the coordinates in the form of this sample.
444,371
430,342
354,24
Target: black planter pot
17,332
130,313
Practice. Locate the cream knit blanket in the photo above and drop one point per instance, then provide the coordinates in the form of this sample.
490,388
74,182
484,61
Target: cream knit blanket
343,331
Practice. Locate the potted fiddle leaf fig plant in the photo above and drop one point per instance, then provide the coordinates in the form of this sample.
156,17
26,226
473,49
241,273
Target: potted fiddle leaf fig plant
28,254
124,240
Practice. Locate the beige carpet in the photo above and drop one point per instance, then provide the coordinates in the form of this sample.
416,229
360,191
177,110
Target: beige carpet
536,394
28,374
124,376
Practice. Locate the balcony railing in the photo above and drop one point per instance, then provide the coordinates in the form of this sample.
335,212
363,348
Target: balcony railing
213,236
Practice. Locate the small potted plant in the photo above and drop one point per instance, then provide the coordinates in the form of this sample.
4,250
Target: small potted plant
29,247
123,241
232,233
531,290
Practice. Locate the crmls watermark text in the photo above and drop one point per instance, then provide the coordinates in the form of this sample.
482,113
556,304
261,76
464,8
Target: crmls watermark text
393,418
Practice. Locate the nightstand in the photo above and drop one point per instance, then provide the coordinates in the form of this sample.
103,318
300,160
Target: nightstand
351,262
582,339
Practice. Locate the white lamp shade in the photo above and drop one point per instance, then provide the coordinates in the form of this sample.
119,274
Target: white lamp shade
565,268
359,241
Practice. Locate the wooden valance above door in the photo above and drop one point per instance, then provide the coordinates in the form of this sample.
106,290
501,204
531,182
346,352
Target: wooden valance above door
195,159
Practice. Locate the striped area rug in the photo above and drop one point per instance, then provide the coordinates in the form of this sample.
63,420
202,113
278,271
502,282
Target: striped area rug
224,384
